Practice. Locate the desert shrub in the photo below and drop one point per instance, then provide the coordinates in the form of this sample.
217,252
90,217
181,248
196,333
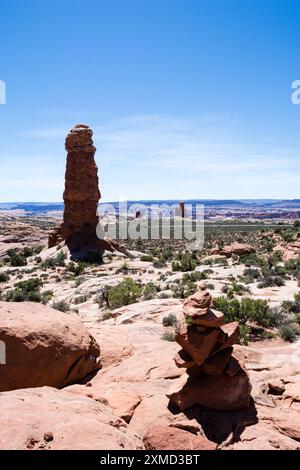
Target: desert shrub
76,269
15,295
30,285
28,290
46,296
235,288
194,277
184,262
125,293
59,260
288,235
247,309
170,320
147,258
168,336
61,305
216,261
293,267
244,333
251,274
181,290
15,258
80,299
252,260
278,316
4,277
150,290
288,333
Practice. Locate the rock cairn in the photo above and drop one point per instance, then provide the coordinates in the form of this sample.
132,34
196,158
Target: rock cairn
214,378
81,195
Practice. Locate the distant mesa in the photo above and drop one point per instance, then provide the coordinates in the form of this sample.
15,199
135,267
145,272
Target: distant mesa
81,197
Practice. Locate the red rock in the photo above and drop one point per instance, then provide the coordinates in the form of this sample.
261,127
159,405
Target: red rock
215,364
229,335
44,347
182,359
81,197
171,438
197,342
201,300
196,308
218,392
235,249
47,418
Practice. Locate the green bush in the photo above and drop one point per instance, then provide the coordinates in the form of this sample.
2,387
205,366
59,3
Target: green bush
168,336
170,320
15,258
125,293
247,309
150,290
288,333
252,260
29,285
28,290
4,277
76,269
61,305
59,260
147,258
184,262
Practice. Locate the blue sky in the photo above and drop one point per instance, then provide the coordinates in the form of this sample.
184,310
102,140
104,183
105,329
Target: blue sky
187,98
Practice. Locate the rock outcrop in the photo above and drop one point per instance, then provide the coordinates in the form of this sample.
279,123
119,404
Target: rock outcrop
43,347
81,196
239,249
214,378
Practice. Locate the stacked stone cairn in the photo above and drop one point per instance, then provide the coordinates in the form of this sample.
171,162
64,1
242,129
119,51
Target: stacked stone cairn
214,378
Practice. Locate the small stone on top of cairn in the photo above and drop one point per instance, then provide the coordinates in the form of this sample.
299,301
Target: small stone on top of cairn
214,378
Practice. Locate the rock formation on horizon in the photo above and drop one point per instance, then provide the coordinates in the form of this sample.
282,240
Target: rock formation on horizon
214,378
81,196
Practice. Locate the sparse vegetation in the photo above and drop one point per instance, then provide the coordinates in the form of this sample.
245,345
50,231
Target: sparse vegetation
125,293
61,305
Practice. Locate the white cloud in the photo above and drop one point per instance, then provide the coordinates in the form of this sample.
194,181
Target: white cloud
157,157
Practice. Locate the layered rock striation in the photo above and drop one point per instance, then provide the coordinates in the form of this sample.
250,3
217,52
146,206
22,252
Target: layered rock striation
214,378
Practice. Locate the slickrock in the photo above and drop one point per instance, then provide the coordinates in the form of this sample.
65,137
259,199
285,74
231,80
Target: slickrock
171,438
214,379
51,419
81,196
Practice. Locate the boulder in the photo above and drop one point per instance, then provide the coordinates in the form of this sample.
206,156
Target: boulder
44,347
170,438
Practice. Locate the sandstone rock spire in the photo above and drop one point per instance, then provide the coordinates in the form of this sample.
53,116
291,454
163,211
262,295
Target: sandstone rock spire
81,196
